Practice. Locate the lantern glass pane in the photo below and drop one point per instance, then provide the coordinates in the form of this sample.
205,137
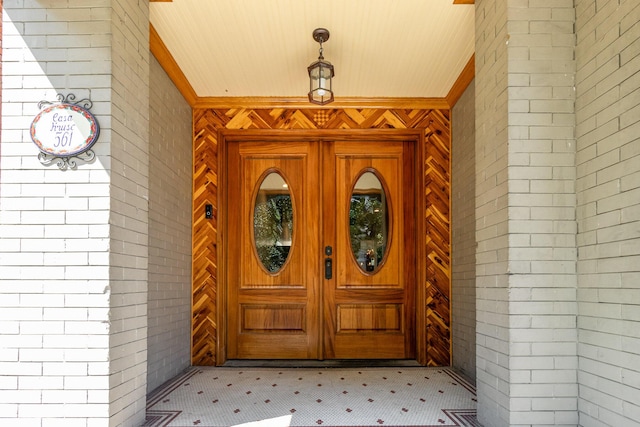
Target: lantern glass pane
314,72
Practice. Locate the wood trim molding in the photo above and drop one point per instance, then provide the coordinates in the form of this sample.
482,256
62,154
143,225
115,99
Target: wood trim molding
303,103
463,2
464,80
170,66
163,1
213,127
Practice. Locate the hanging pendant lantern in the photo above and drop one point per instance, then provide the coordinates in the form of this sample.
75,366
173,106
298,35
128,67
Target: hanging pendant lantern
320,73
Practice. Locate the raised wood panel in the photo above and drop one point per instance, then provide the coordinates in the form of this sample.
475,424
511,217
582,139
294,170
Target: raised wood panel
283,318
435,123
364,317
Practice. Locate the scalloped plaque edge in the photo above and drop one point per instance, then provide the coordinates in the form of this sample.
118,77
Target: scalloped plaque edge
64,158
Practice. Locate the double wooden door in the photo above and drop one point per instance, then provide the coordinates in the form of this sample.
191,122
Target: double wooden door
307,276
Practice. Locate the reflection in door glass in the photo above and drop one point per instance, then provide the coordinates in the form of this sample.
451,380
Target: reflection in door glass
273,222
368,222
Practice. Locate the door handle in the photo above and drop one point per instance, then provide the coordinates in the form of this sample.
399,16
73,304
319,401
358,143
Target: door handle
328,268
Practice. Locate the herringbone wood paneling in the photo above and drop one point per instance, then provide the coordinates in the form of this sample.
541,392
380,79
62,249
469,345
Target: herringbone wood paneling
438,264
436,126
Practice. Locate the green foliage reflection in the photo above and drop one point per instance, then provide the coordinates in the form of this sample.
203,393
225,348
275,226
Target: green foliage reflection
273,228
368,230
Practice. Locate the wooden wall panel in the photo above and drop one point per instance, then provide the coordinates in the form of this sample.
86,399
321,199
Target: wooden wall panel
205,262
437,189
436,126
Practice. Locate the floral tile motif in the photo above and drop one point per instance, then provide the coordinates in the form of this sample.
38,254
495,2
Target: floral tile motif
211,397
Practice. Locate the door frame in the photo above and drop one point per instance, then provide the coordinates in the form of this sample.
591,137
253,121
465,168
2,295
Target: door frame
415,136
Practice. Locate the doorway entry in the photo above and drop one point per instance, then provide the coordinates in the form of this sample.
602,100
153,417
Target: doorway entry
319,248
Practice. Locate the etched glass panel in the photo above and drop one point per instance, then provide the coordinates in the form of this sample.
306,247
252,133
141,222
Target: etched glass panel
273,222
368,222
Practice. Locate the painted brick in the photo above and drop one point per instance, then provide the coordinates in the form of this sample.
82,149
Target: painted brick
72,53
490,164
602,75
463,238
541,95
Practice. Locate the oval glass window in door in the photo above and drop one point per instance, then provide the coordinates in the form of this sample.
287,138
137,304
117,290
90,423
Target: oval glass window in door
273,222
369,222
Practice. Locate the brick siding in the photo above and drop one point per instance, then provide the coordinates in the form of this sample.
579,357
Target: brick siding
74,243
492,325
463,220
608,191
170,157
526,226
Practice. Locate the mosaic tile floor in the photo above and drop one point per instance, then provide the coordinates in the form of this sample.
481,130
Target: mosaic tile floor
208,397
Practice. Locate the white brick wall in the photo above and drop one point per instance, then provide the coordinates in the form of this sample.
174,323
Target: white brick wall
542,225
608,190
73,243
463,219
129,245
526,228
53,254
170,160
491,213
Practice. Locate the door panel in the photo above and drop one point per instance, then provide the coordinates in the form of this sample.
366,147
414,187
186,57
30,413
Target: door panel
369,315
273,315
296,312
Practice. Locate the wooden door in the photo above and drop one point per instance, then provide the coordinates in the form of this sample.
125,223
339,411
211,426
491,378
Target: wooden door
369,314
320,302
273,314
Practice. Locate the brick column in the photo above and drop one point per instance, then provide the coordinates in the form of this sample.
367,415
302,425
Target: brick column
526,225
608,193
73,244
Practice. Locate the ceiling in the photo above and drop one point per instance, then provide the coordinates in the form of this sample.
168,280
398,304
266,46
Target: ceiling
261,48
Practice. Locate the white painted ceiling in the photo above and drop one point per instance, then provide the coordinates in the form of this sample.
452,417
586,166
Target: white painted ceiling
261,48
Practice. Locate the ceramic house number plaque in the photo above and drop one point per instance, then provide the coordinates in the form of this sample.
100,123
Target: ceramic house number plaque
64,132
